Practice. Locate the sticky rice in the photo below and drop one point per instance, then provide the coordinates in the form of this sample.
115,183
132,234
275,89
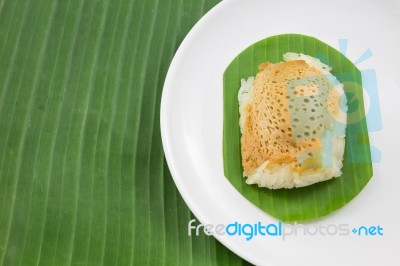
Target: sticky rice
293,121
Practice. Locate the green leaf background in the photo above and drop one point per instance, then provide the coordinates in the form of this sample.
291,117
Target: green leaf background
83,179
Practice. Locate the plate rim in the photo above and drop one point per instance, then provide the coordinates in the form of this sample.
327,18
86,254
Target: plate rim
164,132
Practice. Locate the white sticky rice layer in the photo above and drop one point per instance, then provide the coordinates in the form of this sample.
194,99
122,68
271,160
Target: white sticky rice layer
283,176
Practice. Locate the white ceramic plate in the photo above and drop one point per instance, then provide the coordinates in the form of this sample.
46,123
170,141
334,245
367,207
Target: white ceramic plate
191,124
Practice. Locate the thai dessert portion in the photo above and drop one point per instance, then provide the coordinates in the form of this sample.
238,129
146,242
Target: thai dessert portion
293,122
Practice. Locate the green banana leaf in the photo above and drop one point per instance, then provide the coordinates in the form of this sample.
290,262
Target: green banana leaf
83,180
320,199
